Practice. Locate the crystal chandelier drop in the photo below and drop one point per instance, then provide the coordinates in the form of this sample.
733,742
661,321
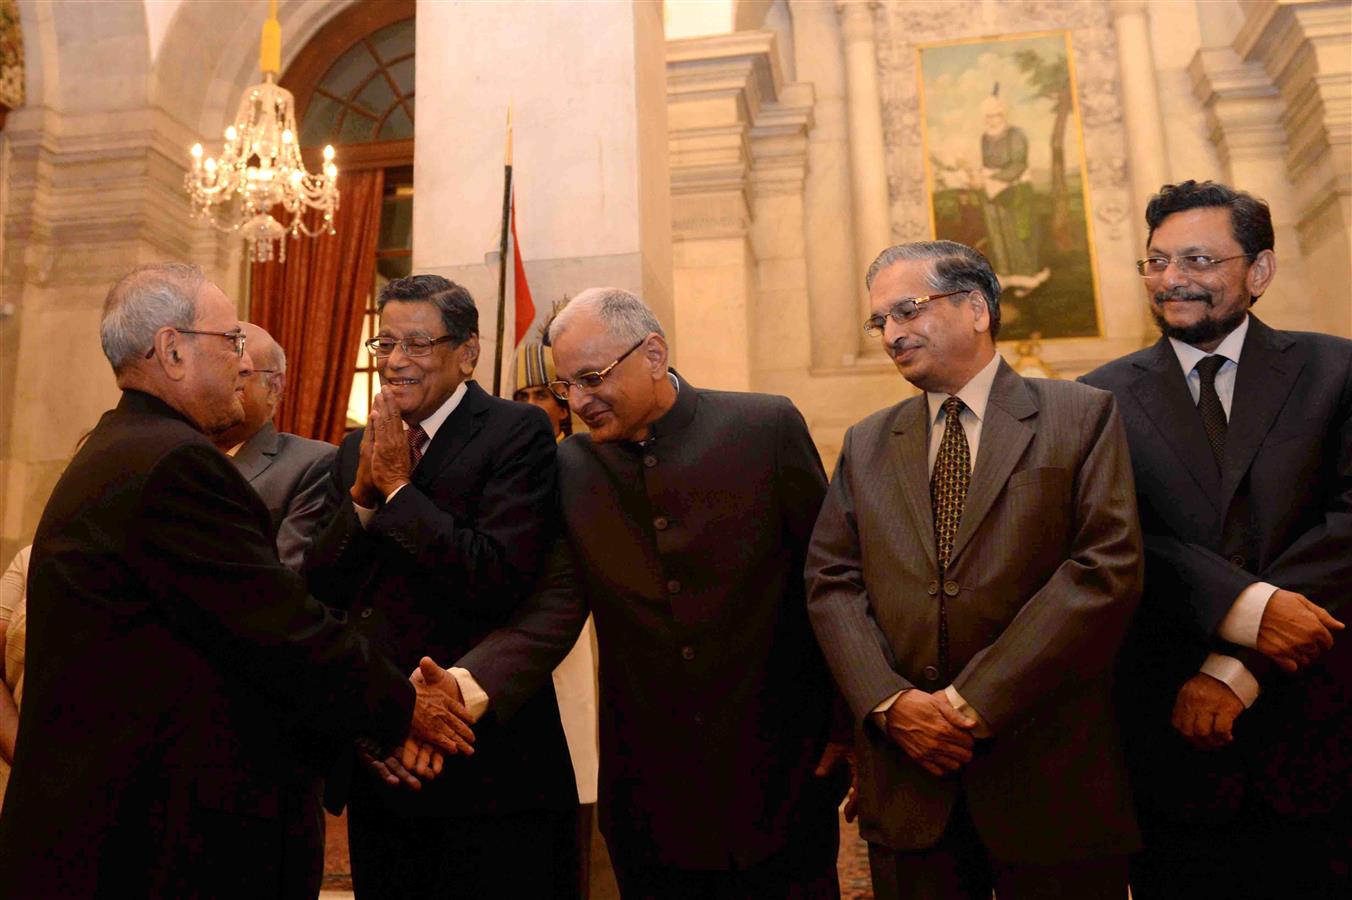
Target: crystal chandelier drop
260,166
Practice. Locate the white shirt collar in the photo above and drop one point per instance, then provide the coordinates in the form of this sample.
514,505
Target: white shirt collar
443,412
974,394
1189,356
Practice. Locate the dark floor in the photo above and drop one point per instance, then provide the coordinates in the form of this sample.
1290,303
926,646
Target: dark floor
853,866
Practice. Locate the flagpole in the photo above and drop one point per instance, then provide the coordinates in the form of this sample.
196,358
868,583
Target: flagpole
502,259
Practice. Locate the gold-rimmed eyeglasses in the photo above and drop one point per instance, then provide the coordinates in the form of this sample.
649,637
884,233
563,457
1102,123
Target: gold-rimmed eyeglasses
236,336
589,381
903,311
412,346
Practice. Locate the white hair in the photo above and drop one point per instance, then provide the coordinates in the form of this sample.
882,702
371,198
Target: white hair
623,314
142,302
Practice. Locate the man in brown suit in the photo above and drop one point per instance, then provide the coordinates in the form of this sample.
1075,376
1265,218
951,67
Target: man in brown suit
970,578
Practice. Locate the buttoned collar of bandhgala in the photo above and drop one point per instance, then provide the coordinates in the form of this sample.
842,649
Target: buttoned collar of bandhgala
681,414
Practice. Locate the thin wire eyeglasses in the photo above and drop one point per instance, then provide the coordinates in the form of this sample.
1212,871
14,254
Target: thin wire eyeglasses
1192,264
236,336
903,311
381,347
589,381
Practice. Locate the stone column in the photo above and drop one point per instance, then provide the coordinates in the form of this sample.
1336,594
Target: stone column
834,275
587,85
1306,49
1148,156
868,158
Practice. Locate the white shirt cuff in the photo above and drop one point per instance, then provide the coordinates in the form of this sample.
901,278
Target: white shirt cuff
1234,674
887,704
364,514
962,706
476,699
1240,625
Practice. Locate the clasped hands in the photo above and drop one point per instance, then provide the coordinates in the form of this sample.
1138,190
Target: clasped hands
440,727
1294,632
383,462
930,730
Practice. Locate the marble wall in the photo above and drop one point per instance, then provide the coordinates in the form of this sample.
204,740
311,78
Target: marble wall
740,180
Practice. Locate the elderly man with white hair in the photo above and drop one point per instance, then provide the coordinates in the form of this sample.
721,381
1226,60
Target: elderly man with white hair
687,514
175,668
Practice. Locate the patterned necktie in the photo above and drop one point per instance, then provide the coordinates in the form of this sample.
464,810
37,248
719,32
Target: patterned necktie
417,439
949,481
1209,405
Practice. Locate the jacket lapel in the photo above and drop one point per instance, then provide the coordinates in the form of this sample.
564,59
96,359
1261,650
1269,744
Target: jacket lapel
1263,381
1005,434
910,453
454,434
1162,390
257,453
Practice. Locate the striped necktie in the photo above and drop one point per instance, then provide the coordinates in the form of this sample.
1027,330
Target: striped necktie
417,440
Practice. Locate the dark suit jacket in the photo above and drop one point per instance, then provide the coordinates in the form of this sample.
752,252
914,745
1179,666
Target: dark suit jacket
1044,576
292,475
172,664
446,561
714,699
1279,511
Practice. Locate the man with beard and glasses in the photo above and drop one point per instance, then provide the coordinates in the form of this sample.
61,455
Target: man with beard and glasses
1233,685
970,579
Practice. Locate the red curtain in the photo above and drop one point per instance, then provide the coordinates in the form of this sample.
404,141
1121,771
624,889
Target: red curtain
313,303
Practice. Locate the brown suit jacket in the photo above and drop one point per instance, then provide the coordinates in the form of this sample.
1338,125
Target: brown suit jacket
1045,574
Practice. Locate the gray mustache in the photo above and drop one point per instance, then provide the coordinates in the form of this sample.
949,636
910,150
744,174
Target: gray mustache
1162,296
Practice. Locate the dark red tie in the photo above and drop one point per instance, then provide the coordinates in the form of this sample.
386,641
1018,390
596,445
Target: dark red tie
417,440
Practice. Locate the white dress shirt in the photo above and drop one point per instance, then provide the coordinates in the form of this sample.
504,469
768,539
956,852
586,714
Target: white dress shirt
1240,625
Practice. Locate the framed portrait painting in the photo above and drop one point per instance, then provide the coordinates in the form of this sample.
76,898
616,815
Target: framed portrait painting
1005,173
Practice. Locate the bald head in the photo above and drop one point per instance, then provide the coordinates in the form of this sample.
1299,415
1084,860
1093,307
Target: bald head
264,383
263,350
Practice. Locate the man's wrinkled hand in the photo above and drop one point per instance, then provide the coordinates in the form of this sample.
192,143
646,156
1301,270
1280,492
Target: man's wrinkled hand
1205,712
1294,631
931,731
386,766
440,719
389,457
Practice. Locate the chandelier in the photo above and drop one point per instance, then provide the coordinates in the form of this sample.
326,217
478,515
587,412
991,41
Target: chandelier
259,170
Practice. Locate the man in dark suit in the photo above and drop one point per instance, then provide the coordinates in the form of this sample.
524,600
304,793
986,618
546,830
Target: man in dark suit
175,667
687,513
289,472
448,510
1235,680
970,578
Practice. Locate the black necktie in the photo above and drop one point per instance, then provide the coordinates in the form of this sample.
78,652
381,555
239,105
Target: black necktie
1209,405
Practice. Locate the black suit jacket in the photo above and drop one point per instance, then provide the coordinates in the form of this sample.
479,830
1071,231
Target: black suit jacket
292,476
173,663
1280,511
714,698
446,561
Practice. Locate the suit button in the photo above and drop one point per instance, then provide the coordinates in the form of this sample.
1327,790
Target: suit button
933,588
650,460
673,586
951,588
931,673
660,523
366,613
687,653
1237,560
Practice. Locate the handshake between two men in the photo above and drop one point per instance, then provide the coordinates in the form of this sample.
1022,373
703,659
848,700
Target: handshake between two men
440,728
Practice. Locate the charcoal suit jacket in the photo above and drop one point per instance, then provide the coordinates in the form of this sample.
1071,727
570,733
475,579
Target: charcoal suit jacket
291,474
714,700
174,670
1044,576
1279,510
449,558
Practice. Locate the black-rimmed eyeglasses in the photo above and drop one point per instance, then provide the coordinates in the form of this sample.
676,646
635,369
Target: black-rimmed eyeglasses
236,336
903,311
589,381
